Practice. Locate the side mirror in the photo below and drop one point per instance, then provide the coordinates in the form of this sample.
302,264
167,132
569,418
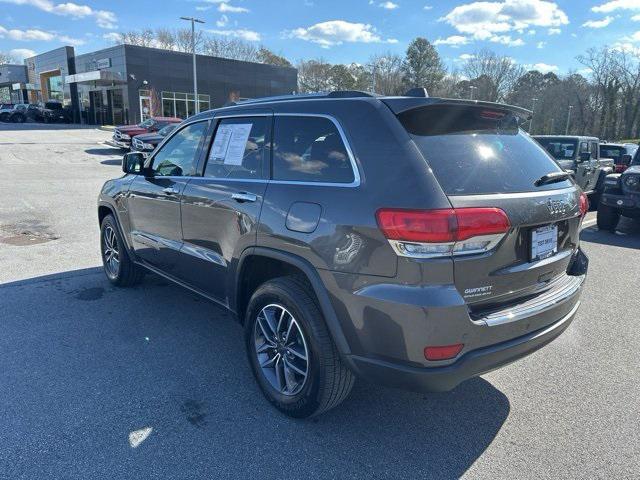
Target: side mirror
626,159
584,157
133,162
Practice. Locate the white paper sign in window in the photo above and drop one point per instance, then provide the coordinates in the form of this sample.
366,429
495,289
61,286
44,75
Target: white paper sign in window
230,142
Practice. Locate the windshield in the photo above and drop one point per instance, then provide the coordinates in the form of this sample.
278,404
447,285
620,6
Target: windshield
167,130
147,123
560,149
473,150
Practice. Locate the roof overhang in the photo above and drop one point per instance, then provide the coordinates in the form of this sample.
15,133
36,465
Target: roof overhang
99,77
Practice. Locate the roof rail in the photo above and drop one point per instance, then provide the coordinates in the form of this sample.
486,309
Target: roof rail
285,98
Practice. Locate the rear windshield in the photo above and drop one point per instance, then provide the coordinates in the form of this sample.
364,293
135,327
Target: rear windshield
608,151
476,150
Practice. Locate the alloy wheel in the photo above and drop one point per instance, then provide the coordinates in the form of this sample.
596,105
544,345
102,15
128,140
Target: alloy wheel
281,349
110,251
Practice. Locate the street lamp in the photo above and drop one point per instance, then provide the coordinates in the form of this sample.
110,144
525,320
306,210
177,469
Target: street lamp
533,110
471,89
566,130
193,51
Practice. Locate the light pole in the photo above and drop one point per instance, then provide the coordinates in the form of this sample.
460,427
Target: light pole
566,130
533,111
471,89
193,51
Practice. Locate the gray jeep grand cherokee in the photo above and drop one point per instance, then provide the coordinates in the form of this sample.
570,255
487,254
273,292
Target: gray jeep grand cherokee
411,241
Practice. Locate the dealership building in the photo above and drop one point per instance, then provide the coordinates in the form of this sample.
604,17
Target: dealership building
126,84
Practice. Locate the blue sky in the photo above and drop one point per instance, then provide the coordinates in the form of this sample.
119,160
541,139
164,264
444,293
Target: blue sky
544,33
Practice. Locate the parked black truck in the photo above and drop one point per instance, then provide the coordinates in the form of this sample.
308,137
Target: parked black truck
621,196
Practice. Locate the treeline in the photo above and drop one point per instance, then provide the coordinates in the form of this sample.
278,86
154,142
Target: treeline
603,100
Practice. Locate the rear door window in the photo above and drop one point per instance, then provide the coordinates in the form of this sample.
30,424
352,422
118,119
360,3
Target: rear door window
240,148
310,149
475,150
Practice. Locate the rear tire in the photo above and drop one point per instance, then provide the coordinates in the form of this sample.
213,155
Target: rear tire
607,218
280,306
118,266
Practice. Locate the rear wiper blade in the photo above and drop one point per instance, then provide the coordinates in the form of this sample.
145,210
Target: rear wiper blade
552,177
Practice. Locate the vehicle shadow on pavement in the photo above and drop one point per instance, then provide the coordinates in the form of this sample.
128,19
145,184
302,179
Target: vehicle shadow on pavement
107,151
153,382
627,235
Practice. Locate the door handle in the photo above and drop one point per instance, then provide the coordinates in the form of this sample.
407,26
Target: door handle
170,191
244,197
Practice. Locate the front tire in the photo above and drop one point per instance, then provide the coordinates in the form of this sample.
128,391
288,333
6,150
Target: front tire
118,266
607,218
291,353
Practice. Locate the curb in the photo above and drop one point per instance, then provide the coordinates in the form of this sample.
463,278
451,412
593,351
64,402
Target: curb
107,128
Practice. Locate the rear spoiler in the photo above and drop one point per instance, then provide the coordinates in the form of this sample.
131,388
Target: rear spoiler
399,105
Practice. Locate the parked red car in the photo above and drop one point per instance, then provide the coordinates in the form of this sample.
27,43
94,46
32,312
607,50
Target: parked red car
123,134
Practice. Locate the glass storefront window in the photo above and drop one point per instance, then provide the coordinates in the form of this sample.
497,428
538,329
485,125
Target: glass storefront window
168,108
182,105
54,87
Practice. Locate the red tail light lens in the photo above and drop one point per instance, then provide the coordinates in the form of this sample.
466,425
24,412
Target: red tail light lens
432,226
584,204
444,352
441,226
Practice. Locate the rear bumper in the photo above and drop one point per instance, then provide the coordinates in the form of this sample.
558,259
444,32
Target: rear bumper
473,363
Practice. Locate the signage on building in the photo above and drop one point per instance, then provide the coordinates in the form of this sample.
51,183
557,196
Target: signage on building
103,63
16,86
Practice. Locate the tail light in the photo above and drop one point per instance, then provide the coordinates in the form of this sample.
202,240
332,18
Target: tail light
584,204
443,232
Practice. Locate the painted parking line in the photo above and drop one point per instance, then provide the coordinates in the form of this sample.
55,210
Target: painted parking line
588,223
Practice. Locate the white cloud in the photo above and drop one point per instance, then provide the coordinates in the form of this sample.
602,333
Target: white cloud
427,7
466,56
636,18
34,34
484,20
112,37
222,21
389,5
104,18
598,23
453,40
614,5
506,40
26,35
585,71
541,44
21,53
336,32
542,67
554,31
634,37
227,8
248,35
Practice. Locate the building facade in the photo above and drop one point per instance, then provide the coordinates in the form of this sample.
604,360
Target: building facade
13,83
126,84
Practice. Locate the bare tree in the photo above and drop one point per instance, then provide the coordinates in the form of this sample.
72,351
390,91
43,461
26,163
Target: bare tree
140,38
314,76
232,48
388,78
183,40
6,57
266,56
493,75
165,38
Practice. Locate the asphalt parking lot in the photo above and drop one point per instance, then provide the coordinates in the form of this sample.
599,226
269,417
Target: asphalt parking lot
98,382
